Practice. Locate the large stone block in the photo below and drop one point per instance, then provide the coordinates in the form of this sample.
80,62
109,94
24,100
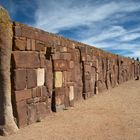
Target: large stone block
32,113
43,62
42,110
59,100
63,49
40,76
49,80
17,30
56,56
60,65
28,32
25,59
21,114
20,43
65,56
60,91
31,78
58,79
69,76
39,92
20,79
23,95
87,86
40,46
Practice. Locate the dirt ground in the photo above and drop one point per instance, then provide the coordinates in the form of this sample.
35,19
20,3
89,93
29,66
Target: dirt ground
112,115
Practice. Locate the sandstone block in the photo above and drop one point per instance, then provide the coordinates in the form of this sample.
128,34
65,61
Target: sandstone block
40,46
59,100
25,59
63,49
65,56
31,78
30,101
23,95
40,76
49,80
69,76
87,86
20,79
32,113
33,45
29,45
60,91
39,92
56,56
42,60
42,110
28,32
34,92
17,30
43,99
60,65
20,43
42,36
21,114
71,93
58,79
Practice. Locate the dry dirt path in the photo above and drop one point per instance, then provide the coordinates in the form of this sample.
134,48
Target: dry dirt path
112,115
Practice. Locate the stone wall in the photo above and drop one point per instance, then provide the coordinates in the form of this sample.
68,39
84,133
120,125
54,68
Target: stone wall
49,73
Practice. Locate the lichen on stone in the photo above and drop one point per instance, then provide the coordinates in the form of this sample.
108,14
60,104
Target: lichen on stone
4,19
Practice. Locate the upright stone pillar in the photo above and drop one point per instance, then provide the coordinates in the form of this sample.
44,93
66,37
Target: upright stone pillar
7,123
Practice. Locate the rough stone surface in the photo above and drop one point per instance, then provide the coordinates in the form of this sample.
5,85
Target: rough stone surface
60,65
20,79
22,114
20,43
26,59
23,95
60,71
31,78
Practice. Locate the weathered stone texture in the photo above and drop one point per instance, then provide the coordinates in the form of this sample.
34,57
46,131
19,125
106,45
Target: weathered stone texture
26,59
20,82
51,72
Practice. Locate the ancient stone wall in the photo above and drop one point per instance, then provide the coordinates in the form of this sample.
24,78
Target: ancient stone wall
49,73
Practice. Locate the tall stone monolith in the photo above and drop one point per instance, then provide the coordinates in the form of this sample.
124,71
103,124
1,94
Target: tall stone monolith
7,123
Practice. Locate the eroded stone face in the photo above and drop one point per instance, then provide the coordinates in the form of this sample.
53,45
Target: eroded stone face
40,76
58,79
71,71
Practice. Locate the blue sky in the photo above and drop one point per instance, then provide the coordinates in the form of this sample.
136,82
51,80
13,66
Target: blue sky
112,25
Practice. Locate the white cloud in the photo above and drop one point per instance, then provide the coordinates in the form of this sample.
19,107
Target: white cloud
109,33
130,37
55,15
101,19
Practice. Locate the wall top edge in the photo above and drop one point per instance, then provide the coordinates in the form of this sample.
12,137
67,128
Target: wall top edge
77,43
